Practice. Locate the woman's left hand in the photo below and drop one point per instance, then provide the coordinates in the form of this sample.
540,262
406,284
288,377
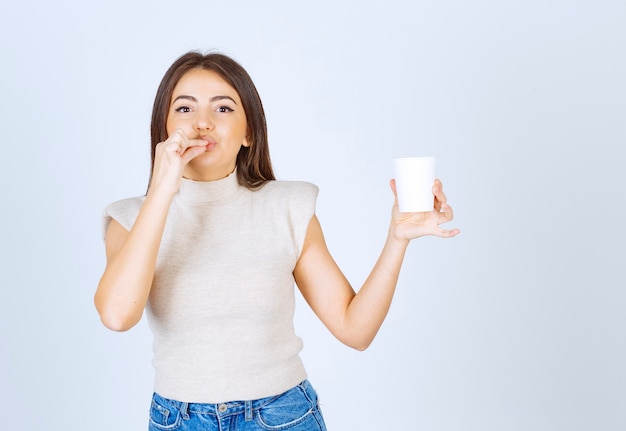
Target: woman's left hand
407,226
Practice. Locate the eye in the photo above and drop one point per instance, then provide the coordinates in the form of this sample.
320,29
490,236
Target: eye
224,108
183,109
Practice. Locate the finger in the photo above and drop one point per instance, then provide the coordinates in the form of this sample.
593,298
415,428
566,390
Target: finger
191,153
445,217
177,135
195,143
177,147
192,149
447,214
392,184
440,196
167,147
445,233
180,141
176,142
436,204
438,191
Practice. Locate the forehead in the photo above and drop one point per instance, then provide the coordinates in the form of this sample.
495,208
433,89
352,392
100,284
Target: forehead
202,82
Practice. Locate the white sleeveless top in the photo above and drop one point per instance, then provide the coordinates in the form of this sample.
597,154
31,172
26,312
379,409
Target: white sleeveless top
222,301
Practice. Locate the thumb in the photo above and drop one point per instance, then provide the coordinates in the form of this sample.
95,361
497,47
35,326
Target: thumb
392,184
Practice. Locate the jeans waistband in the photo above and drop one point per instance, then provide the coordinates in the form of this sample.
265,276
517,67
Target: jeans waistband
226,408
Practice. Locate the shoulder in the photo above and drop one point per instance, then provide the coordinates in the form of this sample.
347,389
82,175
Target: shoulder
290,189
125,206
124,211
296,201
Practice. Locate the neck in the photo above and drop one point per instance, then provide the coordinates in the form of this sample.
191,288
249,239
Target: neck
193,191
215,173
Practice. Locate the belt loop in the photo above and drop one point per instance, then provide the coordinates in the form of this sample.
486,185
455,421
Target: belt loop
184,409
248,410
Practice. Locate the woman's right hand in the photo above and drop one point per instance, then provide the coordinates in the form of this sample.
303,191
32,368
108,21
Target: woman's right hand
170,158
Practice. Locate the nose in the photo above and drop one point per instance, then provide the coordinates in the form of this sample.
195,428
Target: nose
203,121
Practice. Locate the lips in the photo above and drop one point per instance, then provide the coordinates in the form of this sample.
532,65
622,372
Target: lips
210,143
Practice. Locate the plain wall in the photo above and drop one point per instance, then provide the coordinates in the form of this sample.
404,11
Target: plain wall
517,324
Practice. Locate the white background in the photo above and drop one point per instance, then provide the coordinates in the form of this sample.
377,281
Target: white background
517,324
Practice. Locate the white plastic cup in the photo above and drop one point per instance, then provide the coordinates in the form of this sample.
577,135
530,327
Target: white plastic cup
415,177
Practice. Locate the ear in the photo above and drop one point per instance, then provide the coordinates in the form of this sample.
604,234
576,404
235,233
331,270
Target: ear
246,141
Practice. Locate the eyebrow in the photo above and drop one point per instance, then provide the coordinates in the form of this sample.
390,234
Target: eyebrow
212,99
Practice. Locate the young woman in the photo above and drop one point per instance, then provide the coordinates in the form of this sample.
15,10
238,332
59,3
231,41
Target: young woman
212,252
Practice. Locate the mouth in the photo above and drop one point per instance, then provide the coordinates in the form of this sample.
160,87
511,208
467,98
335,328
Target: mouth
210,143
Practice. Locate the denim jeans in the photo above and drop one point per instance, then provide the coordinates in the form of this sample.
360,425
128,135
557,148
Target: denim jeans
295,410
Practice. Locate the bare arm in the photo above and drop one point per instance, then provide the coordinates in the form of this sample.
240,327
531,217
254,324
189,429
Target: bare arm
355,318
125,285
131,258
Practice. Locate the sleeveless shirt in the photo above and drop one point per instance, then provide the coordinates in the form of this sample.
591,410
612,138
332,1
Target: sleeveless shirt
222,300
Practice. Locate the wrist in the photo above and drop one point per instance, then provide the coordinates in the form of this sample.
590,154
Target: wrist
160,195
396,241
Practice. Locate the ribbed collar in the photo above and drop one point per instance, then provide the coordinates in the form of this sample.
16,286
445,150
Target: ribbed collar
202,192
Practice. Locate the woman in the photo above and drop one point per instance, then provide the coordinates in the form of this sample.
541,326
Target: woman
212,252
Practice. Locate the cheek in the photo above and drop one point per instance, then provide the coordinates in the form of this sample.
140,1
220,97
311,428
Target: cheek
175,121
170,126
244,132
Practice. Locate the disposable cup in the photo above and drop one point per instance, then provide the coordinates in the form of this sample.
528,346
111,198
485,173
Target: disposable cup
415,177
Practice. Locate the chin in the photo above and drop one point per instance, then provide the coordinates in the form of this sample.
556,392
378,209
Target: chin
206,166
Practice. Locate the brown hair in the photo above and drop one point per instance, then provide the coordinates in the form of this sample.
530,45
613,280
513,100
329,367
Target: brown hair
254,167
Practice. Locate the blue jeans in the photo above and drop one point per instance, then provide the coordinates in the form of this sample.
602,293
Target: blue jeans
295,410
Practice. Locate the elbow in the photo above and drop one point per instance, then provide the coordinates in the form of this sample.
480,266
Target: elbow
115,319
360,347
356,337
115,324
357,343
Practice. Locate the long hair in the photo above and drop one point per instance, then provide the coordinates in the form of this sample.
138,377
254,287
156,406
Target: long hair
254,167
